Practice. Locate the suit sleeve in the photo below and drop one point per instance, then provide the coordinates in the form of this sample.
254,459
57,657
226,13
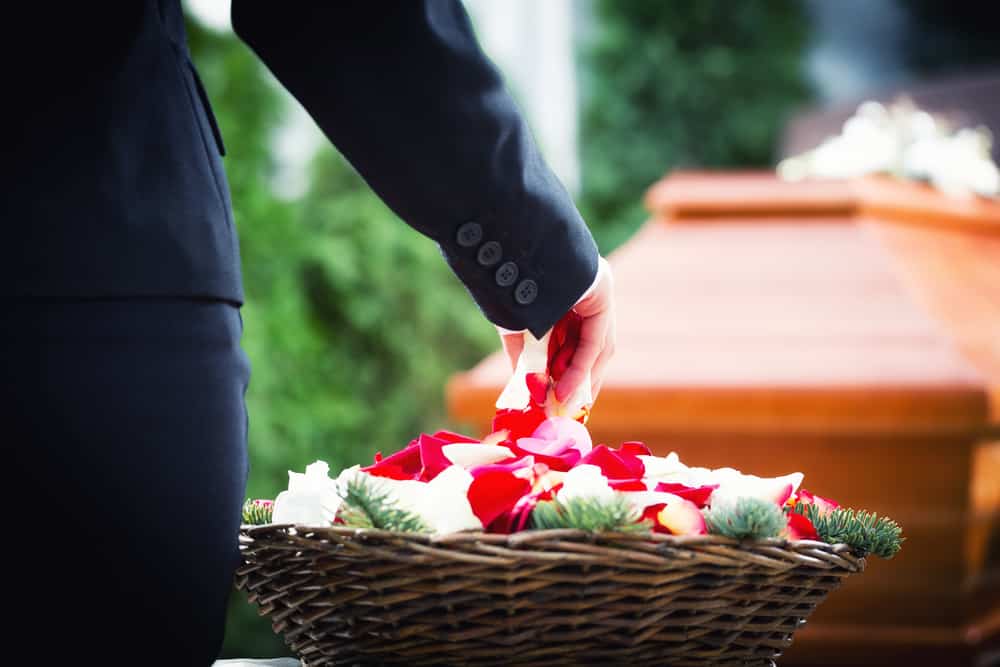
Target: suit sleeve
405,93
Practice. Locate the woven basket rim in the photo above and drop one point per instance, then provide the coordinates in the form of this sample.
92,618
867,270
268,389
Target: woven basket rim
814,553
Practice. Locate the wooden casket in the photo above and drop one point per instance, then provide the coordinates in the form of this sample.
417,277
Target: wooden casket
850,330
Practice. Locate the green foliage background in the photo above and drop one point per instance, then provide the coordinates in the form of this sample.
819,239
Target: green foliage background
353,322
681,84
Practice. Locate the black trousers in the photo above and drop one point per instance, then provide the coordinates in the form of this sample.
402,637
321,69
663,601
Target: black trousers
124,430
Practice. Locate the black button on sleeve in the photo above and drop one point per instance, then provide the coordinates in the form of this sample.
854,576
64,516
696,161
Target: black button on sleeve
469,234
506,274
489,253
526,292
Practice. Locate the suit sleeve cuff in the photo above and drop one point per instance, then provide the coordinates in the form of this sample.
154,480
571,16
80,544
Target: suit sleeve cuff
524,274
590,290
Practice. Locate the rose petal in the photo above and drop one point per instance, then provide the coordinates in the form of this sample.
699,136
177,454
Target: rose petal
538,387
682,517
627,484
518,423
824,505
663,467
494,492
560,428
585,481
432,457
451,437
615,464
699,495
635,448
800,528
651,514
563,342
547,447
533,359
445,504
298,508
467,454
404,464
734,484
518,465
496,438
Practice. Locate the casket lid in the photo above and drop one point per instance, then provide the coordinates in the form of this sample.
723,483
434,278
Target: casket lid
796,307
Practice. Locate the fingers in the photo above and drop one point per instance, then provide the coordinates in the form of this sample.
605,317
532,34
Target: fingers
512,346
597,336
593,334
600,366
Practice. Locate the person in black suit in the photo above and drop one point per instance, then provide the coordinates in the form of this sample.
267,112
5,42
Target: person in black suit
123,377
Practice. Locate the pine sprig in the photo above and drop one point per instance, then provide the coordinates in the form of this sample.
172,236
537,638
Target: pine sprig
865,532
745,518
615,514
365,506
258,512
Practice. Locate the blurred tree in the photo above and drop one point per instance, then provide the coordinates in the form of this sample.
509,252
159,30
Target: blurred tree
353,321
681,84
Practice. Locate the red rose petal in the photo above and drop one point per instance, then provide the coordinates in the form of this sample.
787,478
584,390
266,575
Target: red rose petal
635,448
563,341
800,528
432,457
450,437
699,495
614,464
651,513
783,494
404,464
494,492
823,504
538,387
682,517
557,455
627,484
512,466
518,423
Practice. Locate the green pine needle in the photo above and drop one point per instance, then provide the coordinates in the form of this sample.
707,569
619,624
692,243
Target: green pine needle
865,532
257,512
616,514
365,506
745,518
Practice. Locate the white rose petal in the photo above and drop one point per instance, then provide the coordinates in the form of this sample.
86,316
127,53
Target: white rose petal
468,454
668,468
643,499
771,489
534,359
584,481
309,495
291,507
445,505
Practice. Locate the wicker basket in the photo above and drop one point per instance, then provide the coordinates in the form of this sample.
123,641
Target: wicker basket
345,596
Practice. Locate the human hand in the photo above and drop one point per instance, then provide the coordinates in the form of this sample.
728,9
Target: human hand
597,337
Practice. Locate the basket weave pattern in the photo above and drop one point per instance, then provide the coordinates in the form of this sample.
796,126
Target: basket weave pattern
343,596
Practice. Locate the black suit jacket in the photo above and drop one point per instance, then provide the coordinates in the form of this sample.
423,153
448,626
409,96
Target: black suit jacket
116,186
